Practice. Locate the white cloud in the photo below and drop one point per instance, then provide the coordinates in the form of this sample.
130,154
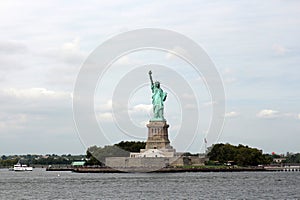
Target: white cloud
232,114
12,47
11,62
271,114
144,123
105,106
279,49
175,128
13,55
229,80
228,71
178,50
105,117
267,113
190,106
228,75
141,108
71,46
124,60
209,103
188,96
34,93
68,52
139,114
289,115
13,120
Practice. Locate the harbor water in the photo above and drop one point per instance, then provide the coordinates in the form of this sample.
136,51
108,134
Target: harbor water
40,184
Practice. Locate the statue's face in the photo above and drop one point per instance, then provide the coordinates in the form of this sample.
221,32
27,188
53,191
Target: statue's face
157,84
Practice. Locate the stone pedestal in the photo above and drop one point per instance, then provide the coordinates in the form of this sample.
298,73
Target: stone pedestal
158,135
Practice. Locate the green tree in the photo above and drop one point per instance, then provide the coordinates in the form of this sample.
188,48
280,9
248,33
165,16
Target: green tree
241,155
293,158
90,159
131,146
96,155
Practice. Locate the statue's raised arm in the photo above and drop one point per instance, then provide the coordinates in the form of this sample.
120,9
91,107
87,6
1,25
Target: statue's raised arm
150,75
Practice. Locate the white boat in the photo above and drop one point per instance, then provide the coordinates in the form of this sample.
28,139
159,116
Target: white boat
19,167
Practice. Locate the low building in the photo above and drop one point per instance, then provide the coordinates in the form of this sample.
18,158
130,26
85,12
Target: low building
78,163
279,160
157,154
153,153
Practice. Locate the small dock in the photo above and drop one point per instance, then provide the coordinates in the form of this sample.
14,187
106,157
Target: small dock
58,168
283,168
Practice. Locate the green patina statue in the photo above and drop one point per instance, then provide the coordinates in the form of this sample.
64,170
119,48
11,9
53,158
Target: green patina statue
158,98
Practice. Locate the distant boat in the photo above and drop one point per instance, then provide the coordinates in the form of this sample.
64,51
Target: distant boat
20,168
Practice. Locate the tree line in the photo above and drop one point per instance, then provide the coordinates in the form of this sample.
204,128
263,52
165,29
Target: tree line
240,155
96,155
219,153
49,159
292,158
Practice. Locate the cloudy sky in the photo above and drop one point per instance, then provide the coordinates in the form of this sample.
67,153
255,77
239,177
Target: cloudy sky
254,45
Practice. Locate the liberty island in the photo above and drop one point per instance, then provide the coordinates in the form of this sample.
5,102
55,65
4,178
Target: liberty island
158,152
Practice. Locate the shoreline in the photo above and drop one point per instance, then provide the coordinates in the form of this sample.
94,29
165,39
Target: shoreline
162,170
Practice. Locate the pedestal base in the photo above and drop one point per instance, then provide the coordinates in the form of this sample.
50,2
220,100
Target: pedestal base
158,135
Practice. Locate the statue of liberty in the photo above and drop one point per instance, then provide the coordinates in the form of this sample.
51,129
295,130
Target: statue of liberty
158,98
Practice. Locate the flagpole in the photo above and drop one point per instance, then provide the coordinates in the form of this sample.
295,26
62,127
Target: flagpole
205,145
